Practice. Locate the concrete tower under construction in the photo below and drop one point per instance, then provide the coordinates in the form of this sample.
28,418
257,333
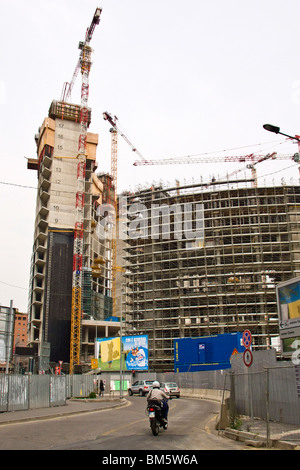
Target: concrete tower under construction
52,259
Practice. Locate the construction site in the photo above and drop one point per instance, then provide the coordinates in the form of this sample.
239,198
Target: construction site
183,261
222,282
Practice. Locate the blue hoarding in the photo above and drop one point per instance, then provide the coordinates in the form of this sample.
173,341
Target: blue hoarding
206,352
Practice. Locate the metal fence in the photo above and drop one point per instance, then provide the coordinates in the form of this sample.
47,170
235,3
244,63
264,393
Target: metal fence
212,379
79,385
23,392
266,403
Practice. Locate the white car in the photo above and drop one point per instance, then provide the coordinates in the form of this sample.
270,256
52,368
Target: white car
141,387
171,388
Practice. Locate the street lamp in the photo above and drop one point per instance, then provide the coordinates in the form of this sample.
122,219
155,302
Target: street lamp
276,130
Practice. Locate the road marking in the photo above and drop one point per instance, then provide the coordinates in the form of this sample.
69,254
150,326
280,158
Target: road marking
107,433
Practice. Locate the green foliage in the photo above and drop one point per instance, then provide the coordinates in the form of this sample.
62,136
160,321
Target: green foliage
235,422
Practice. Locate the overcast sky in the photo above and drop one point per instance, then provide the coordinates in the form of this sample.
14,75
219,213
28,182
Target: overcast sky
184,78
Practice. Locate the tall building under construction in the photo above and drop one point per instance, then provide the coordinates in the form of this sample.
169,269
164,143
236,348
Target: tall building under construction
219,279
50,297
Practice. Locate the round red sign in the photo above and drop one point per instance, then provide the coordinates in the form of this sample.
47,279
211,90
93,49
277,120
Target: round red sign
247,357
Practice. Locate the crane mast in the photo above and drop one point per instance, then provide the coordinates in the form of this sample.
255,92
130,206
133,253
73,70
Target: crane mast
115,130
114,174
85,65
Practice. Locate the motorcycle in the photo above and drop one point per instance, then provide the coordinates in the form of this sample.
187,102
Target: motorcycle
155,414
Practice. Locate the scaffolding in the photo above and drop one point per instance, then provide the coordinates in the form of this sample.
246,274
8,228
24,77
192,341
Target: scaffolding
221,280
87,291
69,111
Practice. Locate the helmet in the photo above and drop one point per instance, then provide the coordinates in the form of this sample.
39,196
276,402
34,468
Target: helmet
156,384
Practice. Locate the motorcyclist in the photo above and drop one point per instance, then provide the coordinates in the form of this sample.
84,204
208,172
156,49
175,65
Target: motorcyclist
159,396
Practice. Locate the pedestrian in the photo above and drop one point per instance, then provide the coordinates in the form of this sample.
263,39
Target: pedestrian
101,388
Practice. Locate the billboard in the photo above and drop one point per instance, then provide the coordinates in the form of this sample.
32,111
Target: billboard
6,333
132,350
288,305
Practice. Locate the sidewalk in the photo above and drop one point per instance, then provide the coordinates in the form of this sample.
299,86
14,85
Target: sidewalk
254,431
72,406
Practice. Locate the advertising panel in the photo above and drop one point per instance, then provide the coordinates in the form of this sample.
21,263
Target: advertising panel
6,333
288,305
134,353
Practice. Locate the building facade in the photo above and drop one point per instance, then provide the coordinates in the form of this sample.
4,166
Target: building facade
217,278
20,330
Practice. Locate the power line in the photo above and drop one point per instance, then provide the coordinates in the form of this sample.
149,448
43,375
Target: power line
278,171
230,149
23,288
32,187
12,285
18,185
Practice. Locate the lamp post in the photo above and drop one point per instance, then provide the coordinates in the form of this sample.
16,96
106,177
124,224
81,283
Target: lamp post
9,337
121,343
121,269
276,130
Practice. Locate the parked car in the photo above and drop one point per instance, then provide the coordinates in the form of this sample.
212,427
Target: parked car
171,388
140,387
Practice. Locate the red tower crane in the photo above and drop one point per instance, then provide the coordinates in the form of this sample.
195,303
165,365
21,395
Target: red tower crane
254,159
85,65
205,159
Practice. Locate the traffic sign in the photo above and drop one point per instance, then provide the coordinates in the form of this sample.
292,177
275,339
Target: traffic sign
247,357
247,339
94,363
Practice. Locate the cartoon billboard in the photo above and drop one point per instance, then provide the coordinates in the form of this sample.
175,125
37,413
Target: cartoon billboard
110,350
134,353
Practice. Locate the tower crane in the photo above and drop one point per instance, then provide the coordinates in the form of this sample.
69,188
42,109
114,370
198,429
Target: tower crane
113,121
68,86
251,166
114,174
115,130
85,66
204,159
254,159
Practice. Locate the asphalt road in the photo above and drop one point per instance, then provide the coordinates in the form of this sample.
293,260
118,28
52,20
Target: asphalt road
127,428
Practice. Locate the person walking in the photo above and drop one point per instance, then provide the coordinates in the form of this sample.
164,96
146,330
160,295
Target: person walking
101,388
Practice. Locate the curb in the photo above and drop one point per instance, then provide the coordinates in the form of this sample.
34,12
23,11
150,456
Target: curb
67,413
253,440
94,400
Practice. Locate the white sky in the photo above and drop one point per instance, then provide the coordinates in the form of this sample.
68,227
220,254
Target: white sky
183,78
